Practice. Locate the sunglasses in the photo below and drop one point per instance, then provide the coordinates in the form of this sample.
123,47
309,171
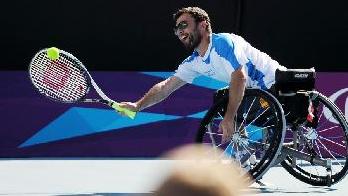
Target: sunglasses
181,26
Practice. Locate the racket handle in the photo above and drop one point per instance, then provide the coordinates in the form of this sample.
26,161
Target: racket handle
131,114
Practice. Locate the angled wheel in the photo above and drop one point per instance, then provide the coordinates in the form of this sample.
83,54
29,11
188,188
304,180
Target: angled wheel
327,140
260,128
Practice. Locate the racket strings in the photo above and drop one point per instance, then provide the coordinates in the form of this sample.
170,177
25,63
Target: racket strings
77,86
63,79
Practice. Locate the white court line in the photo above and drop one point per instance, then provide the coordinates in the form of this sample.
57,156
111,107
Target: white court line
109,177
54,177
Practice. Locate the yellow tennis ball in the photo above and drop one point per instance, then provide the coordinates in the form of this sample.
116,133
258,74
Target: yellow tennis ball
53,53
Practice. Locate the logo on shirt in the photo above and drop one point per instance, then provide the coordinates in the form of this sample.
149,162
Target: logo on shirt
209,72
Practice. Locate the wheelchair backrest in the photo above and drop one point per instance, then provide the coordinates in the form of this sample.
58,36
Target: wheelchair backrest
293,80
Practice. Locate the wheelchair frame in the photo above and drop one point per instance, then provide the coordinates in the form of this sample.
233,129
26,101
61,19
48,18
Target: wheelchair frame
302,147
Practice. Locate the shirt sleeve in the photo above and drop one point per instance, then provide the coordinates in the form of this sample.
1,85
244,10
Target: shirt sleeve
230,48
186,73
239,50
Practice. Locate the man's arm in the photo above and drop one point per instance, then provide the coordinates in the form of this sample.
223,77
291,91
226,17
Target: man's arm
236,93
156,94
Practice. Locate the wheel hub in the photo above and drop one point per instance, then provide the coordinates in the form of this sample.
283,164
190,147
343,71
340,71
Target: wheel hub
311,134
239,139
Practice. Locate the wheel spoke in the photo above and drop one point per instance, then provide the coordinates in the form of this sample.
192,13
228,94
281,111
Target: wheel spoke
327,150
327,129
332,141
246,115
257,117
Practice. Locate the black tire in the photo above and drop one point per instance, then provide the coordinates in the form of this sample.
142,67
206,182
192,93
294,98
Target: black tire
262,116
327,140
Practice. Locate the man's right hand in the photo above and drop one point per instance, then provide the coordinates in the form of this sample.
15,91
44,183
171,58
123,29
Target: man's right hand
130,106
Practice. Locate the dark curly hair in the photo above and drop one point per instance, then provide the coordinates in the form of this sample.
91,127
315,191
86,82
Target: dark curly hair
197,13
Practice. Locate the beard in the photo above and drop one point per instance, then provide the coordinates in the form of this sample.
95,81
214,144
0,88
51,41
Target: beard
194,39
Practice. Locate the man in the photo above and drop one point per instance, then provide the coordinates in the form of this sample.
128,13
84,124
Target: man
225,57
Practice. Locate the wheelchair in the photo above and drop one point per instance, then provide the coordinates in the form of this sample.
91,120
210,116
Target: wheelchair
291,124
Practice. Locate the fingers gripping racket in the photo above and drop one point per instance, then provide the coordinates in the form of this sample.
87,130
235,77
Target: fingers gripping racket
65,79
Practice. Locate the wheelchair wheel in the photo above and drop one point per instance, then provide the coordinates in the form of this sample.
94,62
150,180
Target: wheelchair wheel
326,140
260,130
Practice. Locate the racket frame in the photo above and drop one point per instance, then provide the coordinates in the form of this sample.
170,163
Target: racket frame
104,99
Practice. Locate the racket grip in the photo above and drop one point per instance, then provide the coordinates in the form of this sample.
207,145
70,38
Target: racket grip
131,114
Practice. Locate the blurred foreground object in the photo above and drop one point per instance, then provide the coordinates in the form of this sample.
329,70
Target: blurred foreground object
201,171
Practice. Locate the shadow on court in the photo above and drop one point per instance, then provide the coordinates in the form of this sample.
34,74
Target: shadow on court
276,191
110,194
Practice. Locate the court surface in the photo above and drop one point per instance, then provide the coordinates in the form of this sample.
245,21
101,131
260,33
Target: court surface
106,177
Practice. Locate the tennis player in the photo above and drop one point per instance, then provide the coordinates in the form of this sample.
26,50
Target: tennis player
223,56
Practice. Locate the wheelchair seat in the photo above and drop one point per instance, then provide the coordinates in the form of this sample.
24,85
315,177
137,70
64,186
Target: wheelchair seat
293,80
288,84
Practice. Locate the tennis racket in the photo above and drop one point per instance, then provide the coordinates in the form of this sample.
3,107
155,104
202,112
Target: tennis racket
66,79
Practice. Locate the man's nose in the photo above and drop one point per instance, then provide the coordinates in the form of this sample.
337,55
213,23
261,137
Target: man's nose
179,32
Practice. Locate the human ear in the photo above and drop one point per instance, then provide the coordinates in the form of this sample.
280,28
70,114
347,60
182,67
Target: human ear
203,24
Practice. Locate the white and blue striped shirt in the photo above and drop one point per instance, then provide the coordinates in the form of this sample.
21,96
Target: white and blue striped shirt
226,53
